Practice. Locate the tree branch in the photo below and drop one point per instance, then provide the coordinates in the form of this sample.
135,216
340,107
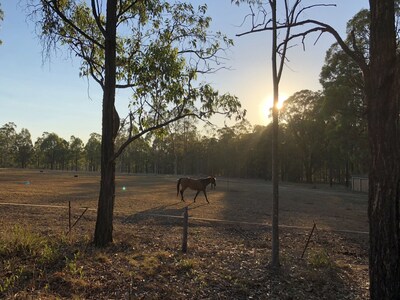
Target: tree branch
96,15
147,130
125,86
322,27
122,12
56,9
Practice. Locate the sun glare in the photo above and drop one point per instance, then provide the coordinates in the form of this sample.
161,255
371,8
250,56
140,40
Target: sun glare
267,103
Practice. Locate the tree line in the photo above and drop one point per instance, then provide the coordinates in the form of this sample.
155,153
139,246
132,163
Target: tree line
322,139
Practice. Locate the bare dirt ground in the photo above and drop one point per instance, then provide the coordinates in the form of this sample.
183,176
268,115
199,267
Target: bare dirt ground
229,245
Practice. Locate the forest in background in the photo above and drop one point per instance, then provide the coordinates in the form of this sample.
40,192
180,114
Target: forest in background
322,139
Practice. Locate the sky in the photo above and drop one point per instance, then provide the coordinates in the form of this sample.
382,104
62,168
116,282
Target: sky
49,96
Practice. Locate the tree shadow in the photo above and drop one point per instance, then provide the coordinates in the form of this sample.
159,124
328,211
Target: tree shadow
164,214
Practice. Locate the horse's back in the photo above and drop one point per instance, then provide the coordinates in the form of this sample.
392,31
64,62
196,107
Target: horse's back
193,184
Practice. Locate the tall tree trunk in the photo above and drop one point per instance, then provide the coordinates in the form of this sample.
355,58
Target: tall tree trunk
275,131
105,209
382,93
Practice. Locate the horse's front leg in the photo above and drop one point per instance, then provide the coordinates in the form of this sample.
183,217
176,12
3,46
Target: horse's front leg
194,200
205,194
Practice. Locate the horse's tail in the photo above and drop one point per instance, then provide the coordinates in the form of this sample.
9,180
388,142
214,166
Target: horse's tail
177,186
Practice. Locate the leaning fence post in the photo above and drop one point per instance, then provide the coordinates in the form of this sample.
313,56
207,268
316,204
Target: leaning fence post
185,229
308,240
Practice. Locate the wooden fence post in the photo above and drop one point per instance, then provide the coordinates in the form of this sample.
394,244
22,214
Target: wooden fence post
185,229
77,220
308,240
69,216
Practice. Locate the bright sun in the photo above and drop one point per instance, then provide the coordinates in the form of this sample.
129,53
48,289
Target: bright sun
266,105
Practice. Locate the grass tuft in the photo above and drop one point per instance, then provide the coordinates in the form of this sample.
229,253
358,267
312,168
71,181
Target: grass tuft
320,259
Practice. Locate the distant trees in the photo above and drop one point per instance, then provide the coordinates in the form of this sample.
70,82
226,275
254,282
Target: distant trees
49,151
236,151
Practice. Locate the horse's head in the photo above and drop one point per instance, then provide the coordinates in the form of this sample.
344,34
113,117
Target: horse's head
213,182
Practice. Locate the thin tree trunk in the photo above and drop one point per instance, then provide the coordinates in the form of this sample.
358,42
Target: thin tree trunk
105,210
382,93
275,131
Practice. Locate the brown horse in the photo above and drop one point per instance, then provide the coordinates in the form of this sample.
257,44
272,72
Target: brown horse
194,184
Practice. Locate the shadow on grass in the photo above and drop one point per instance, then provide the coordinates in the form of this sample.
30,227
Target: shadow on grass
164,214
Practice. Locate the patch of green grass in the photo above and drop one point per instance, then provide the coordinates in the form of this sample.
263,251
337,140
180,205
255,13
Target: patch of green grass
9,281
150,264
23,243
186,265
320,259
72,265
25,256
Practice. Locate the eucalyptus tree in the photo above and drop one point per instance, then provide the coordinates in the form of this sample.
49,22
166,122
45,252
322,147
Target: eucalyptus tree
177,142
55,150
38,157
8,135
210,157
278,17
382,85
260,157
128,159
372,43
303,120
344,106
156,49
23,148
181,137
76,148
93,152
244,146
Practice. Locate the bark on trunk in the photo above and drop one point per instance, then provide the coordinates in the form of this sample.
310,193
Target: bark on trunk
105,210
382,93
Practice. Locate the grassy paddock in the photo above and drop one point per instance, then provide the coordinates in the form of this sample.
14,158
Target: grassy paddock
226,259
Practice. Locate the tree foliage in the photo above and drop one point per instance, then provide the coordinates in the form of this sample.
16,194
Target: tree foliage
162,48
23,148
7,143
305,127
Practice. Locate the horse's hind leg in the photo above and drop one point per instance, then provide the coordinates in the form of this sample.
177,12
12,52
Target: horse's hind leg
194,200
206,196
182,195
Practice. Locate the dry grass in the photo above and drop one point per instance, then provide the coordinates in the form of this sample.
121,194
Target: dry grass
225,260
